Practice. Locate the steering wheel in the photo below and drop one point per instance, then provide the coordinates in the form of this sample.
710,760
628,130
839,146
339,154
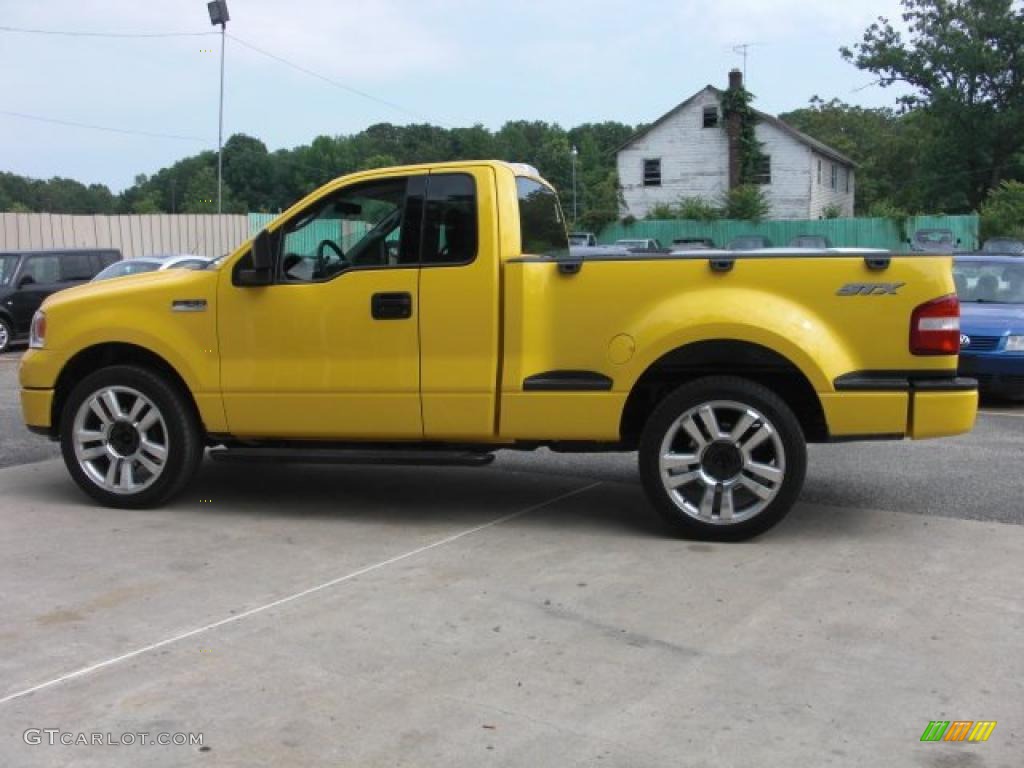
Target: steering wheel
321,256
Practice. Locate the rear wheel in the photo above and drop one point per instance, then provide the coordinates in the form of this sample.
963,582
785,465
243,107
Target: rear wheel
722,458
129,439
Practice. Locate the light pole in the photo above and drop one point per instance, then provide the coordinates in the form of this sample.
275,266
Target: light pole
218,10
574,153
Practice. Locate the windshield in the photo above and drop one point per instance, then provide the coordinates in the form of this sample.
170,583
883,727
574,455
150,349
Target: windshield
127,267
8,262
989,282
1003,245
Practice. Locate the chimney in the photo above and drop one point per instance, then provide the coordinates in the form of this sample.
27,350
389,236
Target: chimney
732,132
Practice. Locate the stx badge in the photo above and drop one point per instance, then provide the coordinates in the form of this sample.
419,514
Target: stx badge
870,289
958,730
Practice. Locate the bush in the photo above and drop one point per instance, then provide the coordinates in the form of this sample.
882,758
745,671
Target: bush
688,209
746,202
886,209
832,212
629,219
662,211
697,209
1002,215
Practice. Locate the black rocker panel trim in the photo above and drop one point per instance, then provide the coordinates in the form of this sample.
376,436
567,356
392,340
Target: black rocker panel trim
567,381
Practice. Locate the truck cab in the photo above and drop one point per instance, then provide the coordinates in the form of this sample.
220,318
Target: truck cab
439,308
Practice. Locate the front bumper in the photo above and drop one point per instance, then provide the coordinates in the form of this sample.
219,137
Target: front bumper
36,407
893,404
37,375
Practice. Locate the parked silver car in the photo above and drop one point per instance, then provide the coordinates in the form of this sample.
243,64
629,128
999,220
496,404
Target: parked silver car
152,264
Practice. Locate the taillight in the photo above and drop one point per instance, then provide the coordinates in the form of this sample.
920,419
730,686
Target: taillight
935,327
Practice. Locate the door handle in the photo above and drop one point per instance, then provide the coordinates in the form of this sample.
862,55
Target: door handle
391,306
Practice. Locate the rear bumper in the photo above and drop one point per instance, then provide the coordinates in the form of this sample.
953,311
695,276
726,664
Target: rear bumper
998,373
893,404
943,413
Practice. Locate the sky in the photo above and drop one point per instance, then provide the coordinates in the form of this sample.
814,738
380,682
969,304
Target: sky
449,62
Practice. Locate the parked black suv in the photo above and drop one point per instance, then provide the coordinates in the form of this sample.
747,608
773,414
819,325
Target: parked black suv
28,277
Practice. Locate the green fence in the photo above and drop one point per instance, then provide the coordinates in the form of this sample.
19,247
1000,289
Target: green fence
849,233
306,240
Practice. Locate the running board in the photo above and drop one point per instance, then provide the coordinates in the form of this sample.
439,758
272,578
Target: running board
403,457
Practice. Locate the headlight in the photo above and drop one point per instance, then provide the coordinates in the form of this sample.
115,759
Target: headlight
1015,343
37,334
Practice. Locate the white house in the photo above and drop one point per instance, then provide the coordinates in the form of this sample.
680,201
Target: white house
687,152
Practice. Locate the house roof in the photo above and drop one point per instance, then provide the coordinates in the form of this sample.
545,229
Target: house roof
764,117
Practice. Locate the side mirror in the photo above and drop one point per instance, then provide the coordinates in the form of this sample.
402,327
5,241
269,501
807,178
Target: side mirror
26,280
262,252
262,262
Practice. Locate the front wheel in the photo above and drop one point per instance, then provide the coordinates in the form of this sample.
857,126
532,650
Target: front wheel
129,439
722,458
6,335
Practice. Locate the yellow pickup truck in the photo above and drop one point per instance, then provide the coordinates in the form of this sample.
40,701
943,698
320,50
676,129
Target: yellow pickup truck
436,313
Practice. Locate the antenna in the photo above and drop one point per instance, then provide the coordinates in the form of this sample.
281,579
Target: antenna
742,49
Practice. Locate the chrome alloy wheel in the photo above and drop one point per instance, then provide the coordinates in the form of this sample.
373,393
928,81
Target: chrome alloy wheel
722,462
120,440
5,337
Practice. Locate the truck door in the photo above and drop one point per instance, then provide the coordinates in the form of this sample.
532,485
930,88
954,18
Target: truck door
331,348
459,305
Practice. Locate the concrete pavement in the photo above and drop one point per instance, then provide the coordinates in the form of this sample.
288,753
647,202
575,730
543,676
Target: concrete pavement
376,616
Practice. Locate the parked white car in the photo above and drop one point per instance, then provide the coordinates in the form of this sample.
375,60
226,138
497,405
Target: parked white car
152,264
646,244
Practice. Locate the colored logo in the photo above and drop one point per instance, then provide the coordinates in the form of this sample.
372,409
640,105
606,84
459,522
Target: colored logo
958,730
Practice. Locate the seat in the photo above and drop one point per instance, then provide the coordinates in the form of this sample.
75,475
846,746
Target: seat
987,288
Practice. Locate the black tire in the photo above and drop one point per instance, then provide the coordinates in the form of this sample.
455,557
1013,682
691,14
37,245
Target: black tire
6,334
179,427
776,434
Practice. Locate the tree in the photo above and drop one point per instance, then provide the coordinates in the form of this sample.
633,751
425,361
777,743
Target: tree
963,59
1003,213
255,179
249,171
873,138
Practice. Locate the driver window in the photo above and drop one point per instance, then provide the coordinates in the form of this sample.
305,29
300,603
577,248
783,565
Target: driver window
359,226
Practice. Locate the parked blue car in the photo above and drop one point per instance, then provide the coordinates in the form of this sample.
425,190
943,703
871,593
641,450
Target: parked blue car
991,292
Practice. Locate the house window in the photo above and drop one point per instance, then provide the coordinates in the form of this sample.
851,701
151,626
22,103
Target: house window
819,172
846,180
763,172
710,117
652,173
835,176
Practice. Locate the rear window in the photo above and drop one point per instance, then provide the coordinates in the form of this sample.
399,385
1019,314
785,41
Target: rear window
8,263
541,225
76,266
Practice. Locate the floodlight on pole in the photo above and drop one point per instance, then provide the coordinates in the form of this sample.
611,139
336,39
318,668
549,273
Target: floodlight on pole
574,153
218,10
